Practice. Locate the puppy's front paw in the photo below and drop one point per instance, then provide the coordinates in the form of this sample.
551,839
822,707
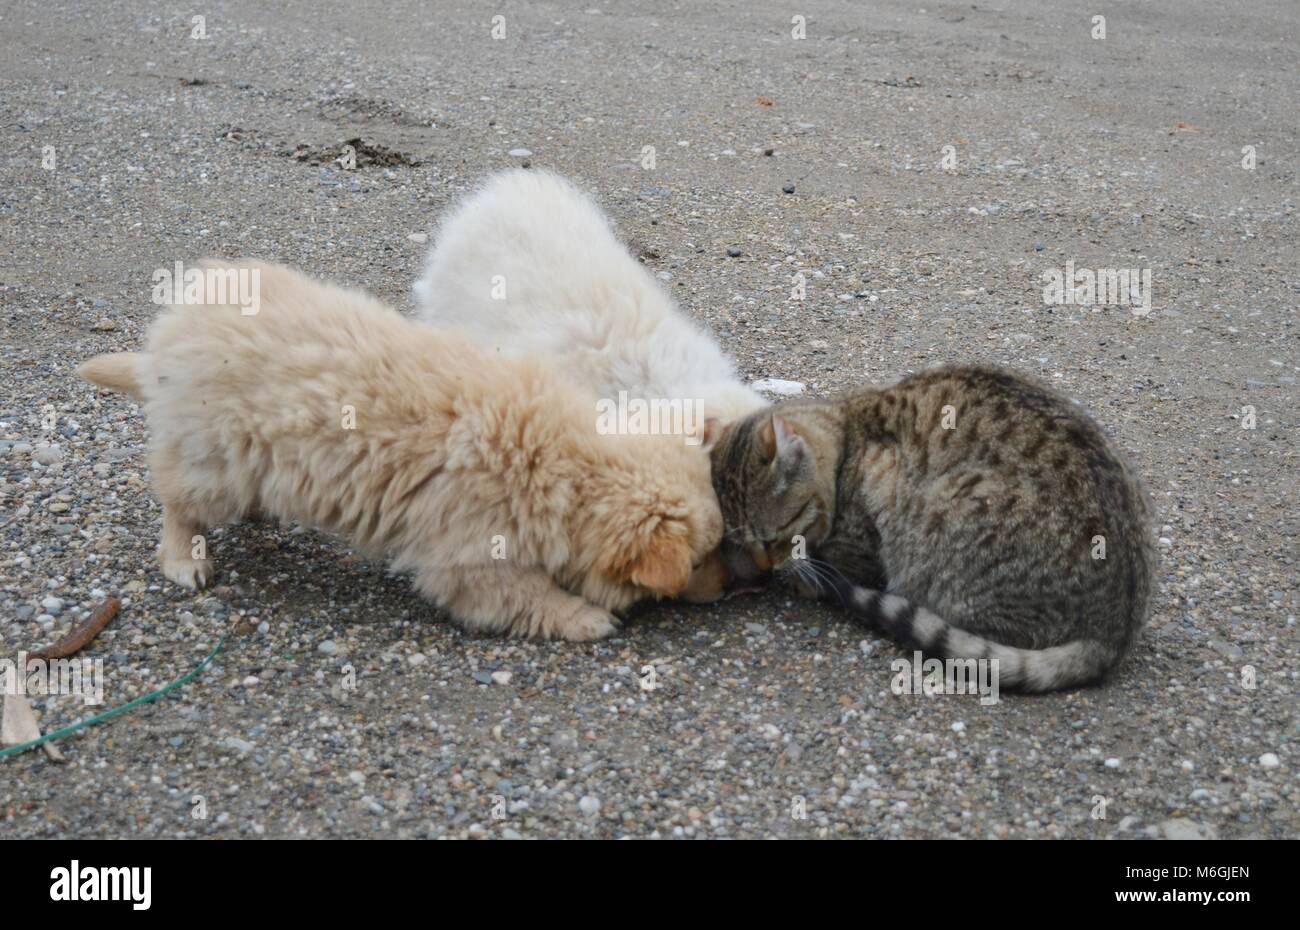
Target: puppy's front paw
588,623
194,574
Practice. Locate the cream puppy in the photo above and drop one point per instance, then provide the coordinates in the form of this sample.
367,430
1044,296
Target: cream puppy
482,475
530,263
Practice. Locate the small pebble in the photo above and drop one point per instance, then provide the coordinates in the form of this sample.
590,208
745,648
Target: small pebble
779,386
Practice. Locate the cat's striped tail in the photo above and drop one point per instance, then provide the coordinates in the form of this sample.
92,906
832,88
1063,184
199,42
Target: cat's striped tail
1080,662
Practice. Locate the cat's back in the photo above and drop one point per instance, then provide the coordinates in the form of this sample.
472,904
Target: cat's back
993,467
961,416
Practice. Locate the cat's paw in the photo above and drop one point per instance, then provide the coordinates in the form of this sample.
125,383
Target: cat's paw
187,572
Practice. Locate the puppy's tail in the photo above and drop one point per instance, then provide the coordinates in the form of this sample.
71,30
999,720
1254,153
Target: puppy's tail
115,371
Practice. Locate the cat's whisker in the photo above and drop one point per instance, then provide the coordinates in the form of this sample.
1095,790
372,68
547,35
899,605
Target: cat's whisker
833,574
827,575
814,574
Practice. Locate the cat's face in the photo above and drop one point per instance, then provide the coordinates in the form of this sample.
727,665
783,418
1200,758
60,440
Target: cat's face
774,502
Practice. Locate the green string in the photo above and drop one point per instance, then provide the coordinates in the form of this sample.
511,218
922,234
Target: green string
100,718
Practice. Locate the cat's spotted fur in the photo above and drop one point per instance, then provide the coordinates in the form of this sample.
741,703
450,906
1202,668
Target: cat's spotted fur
964,510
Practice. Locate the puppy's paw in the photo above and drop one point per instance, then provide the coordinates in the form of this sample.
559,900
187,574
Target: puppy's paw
587,623
194,574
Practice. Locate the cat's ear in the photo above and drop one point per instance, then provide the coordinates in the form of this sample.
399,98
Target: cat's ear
781,445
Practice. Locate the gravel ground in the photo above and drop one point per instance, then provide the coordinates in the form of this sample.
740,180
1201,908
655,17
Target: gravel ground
773,155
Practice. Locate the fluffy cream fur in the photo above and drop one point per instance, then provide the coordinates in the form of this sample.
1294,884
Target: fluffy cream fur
572,294
457,458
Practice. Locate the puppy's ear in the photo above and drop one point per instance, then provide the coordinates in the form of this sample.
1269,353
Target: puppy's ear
713,428
661,560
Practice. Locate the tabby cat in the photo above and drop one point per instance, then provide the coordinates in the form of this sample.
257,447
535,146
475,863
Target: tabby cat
967,511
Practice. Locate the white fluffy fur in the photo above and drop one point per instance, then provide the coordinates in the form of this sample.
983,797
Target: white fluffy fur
573,295
484,476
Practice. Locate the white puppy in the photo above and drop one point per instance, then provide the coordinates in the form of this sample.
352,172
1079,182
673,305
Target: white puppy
530,264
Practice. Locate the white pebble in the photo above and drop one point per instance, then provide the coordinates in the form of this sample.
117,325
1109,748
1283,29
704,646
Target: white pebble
958,726
1112,763
501,678
357,778
589,806
519,153
1270,760
48,455
779,386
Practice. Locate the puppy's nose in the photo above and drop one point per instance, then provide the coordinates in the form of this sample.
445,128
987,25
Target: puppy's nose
760,557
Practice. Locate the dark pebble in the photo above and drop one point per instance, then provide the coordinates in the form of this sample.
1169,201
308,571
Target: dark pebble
789,188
